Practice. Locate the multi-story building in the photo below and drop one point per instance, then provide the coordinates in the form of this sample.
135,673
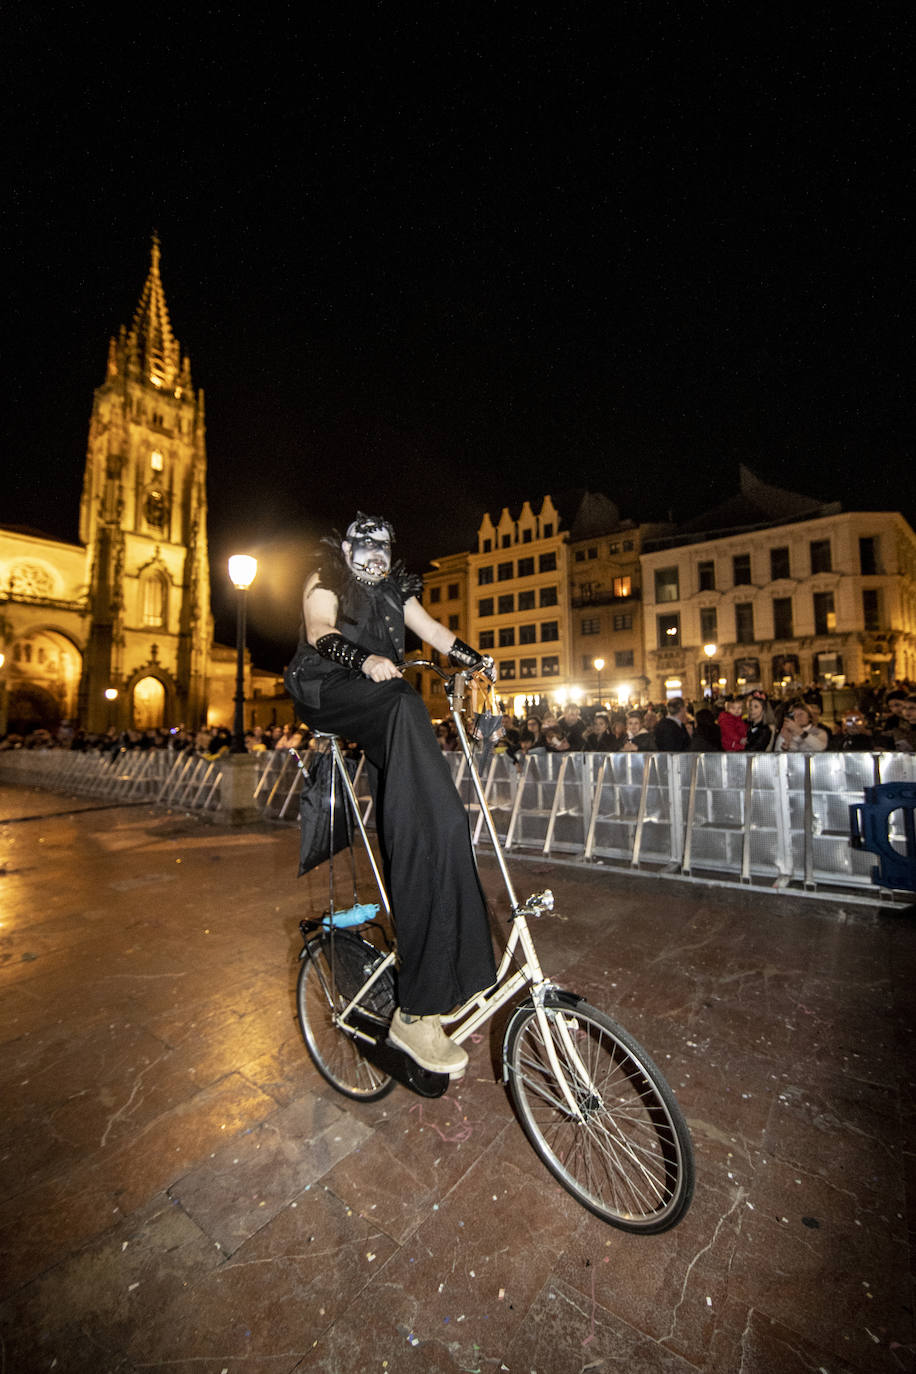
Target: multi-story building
606,612
517,597
518,607
812,594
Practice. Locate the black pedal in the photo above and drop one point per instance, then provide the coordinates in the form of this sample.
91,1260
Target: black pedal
389,1059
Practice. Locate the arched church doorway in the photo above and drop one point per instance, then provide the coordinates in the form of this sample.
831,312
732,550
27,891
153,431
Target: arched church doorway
43,673
148,704
31,707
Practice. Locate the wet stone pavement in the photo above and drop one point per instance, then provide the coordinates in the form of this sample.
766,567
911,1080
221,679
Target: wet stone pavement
182,1191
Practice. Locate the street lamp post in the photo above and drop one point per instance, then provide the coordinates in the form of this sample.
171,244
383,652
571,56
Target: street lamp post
710,651
111,696
242,572
598,665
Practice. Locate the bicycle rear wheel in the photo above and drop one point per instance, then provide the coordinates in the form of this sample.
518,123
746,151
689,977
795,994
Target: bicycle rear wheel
328,980
625,1153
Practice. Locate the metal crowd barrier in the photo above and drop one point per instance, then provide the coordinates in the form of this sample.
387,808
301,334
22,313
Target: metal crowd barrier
777,819
128,775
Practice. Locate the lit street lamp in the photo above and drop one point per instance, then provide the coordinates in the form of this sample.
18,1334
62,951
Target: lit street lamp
710,651
242,572
598,665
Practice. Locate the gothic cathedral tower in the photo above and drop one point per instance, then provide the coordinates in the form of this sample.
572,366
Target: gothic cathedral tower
143,519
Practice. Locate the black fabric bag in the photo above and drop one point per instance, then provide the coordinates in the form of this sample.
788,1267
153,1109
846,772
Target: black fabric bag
315,812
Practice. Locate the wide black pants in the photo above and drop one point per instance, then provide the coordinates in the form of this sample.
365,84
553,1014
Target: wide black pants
445,953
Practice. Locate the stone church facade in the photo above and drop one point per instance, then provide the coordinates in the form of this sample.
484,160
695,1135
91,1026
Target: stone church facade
117,629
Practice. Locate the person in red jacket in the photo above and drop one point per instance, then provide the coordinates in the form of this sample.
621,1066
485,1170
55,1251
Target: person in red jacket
732,725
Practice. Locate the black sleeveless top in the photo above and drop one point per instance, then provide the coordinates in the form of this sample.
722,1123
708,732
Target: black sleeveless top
370,616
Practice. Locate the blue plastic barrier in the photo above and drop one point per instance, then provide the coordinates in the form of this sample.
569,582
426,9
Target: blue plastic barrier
869,822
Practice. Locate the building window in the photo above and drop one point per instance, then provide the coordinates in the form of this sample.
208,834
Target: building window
744,622
485,607
156,461
485,639
741,569
526,535
628,546
871,610
547,562
484,575
453,622
785,668
666,585
613,548
550,629
527,634
782,617
548,596
528,667
588,664
453,591
434,594
709,624
504,572
506,636
706,572
580,555
820,556
746,670
488,546
779,564
592,626
623,622
868,556
623,658
507,669
526,567
550,667
506,604
526,600
622,587
593,552
507,541
154,588
827,666
548,531
824,613
668,631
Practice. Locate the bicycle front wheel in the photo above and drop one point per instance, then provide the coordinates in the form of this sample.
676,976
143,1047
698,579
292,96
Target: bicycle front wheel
617,1141
334,968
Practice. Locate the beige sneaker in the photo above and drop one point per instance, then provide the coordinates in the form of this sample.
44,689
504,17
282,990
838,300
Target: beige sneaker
427,1044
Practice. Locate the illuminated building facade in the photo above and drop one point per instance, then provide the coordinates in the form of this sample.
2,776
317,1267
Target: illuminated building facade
820,596
126,612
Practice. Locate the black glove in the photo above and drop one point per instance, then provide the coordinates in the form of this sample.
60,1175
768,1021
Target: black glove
461,655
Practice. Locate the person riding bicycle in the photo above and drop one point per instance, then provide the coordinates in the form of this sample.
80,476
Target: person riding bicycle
346,679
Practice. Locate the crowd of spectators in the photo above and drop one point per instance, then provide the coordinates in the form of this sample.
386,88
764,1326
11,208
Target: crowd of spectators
752,723
749,723
210,741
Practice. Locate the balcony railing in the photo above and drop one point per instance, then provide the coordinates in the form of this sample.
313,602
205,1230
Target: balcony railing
604,598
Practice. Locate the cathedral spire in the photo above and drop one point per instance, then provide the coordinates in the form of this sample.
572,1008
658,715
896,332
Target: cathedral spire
150,338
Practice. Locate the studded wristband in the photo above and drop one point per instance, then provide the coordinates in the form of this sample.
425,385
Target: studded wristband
342,651
461,655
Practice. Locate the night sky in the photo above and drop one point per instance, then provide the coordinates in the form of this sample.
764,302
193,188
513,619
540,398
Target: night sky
434,261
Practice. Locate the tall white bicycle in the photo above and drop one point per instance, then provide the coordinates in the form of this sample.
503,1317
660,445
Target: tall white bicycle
595,1107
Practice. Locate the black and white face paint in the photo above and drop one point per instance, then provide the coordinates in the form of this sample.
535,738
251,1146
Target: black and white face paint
367,549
